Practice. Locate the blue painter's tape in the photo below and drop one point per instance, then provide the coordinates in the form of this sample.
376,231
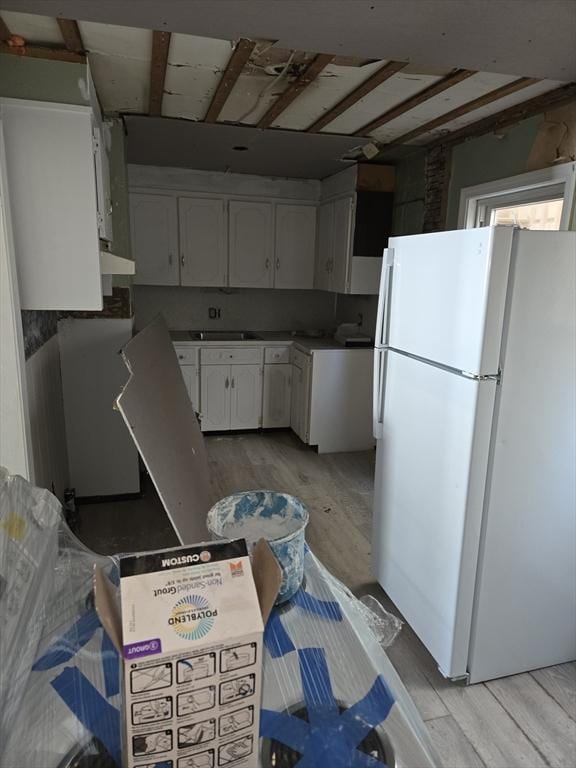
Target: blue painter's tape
276,638
91,708
111,666
326,609
69,643
328,738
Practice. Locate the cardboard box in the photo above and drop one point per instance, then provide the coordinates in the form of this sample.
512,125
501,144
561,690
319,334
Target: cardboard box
192,646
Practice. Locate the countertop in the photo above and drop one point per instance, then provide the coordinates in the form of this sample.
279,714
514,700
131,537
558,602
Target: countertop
268,338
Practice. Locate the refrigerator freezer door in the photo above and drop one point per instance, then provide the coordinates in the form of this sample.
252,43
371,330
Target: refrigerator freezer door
448,296
527,579
430,476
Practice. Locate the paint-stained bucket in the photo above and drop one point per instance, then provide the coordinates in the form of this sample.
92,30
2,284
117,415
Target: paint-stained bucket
277,517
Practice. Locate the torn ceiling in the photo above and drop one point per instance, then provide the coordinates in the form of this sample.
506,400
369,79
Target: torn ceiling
259,83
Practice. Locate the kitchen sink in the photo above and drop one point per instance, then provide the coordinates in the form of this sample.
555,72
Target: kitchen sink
225,336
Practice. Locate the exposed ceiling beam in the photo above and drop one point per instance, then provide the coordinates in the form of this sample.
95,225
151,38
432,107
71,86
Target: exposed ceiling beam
235,65
469,106
544,102
379,77
71,34
158,64
433,90
4,31
43,52
318,63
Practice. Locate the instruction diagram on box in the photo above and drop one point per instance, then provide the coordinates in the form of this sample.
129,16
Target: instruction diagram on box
237,689
237,657
152,710
199,760
196,701
161,764
235,721
196,733
151,678
196,668
235,750
152,743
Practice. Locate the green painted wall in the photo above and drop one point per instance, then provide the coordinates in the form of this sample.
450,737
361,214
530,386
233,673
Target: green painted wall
487,158
43,80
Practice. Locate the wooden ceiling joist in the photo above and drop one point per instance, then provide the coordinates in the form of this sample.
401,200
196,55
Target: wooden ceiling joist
419,98
158,64
71,34
318,63
379,77
469,106
43,52
4,31
236,64
506,117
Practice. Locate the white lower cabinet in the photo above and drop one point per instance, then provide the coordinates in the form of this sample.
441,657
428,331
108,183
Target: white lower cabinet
277,396
190,376
215,397
231,397
300,403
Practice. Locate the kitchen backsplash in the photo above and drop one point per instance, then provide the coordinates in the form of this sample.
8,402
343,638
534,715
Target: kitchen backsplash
240,308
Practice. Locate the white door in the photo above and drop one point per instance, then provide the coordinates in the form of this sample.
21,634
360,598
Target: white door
251,244
342,243
215,397
277,395
190,376
246,396
295,246
154,231
448,293
325,246
203,241
430,476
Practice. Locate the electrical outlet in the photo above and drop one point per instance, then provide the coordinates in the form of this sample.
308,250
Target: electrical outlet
214,313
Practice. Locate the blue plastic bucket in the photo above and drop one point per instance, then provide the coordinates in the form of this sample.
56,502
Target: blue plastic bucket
277,517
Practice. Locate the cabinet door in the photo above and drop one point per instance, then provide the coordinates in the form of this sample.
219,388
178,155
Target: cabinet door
190,376
295,246
203,241
342,243
154,228
215,397
277,395
246,396
296,401
325,246
251,244
102,168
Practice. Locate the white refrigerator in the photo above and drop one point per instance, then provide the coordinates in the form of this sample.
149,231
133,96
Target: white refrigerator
475,421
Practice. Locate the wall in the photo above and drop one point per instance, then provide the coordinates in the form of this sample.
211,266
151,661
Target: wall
409,194
241,309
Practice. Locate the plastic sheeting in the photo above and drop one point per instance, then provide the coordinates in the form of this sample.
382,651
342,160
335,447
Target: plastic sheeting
331,697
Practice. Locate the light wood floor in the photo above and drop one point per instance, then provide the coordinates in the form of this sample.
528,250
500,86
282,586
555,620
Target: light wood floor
524,721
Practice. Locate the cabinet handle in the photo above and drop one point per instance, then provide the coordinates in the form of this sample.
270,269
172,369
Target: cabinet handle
182,259
267,264
170,259
277,263
226,383
232,385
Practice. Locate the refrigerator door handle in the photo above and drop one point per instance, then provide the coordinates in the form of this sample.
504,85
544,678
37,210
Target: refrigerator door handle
378,393
383,317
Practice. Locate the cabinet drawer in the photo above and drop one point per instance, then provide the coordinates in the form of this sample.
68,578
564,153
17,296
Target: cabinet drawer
299,358
277,355
186,354
231,355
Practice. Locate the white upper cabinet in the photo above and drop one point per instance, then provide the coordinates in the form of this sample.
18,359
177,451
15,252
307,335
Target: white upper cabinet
51,186
251,245
203,241
102,169
343,212
295,246
154,227
325,249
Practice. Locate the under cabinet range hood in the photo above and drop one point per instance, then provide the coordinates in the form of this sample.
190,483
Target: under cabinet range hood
110,264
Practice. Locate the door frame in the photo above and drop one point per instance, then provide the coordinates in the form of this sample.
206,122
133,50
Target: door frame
564,174
15,436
